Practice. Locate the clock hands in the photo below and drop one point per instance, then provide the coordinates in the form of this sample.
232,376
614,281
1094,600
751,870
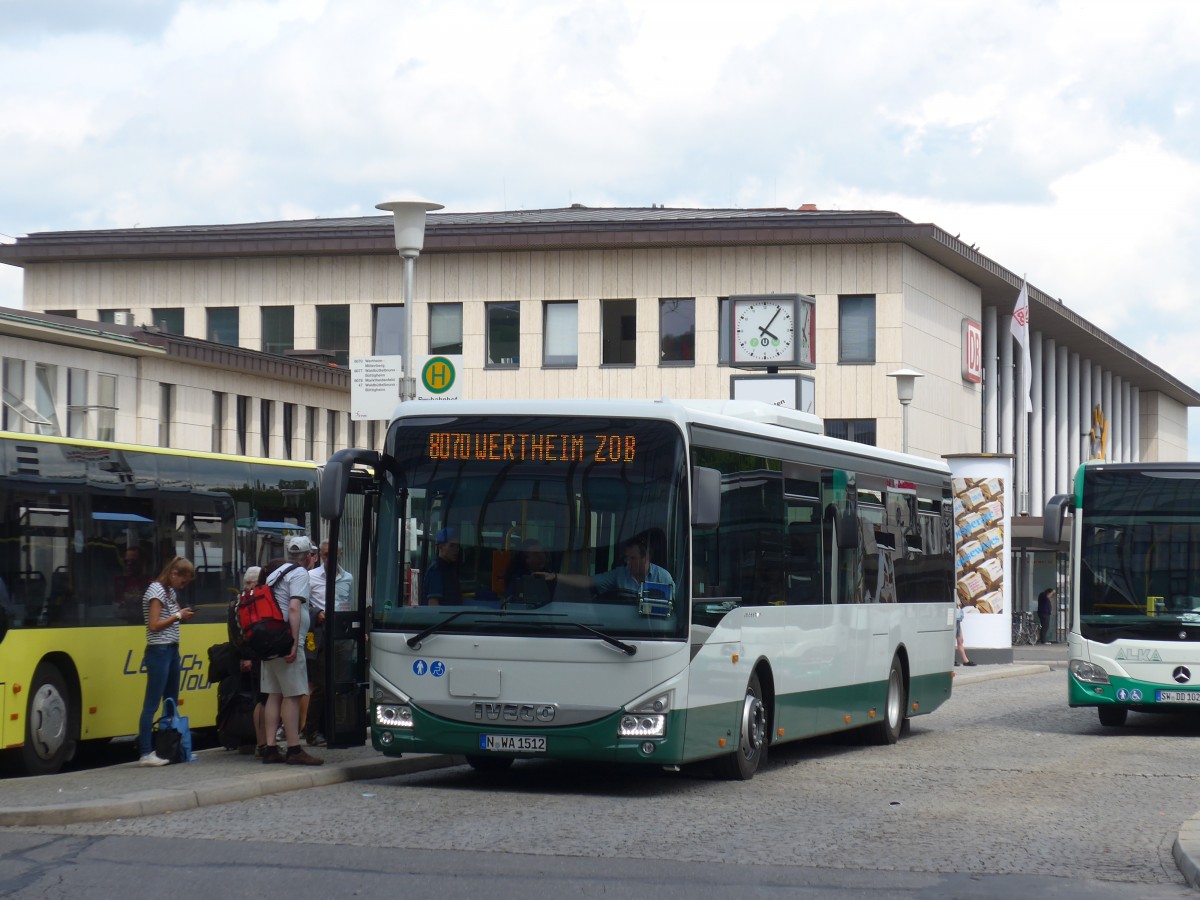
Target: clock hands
766,329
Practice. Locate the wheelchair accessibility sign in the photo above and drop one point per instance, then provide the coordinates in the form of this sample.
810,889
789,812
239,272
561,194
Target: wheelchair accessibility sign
438,378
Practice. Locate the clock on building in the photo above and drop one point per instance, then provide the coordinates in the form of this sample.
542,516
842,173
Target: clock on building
772,330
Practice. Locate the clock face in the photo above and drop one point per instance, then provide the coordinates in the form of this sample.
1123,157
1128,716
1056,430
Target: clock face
764,331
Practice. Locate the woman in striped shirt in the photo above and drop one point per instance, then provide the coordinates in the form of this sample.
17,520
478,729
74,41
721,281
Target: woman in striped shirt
162,613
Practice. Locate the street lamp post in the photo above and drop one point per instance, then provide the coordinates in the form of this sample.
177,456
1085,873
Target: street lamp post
906,380
408,218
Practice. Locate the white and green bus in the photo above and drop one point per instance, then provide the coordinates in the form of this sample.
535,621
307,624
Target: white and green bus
800,585
1134,613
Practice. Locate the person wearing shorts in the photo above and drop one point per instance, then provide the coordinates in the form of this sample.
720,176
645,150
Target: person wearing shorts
285,679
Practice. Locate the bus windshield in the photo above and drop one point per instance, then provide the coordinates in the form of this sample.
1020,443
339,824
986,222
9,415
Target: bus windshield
1139,554
534,526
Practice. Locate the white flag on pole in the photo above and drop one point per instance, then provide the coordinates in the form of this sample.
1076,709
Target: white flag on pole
1020,331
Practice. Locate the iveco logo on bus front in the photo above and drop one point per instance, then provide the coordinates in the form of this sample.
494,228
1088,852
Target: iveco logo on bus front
514,712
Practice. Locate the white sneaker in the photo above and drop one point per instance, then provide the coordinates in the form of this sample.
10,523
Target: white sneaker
153,759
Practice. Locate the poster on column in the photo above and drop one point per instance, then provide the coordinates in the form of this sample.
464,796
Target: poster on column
982,486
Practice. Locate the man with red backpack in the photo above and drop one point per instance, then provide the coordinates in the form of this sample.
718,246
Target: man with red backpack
285,678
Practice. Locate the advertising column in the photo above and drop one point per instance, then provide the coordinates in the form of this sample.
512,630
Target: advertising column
983,497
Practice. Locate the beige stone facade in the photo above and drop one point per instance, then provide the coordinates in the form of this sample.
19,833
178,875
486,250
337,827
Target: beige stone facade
924,284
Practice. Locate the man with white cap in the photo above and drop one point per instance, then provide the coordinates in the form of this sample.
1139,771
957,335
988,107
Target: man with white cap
285,679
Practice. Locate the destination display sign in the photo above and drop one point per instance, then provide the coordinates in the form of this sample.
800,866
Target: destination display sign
520,446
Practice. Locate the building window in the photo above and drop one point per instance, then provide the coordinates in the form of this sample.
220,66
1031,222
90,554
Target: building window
77,403
372,434
861,431
168,319
243,422
351,431
333,332
106,400
503,335
165,403
289,423
278,329
14,394
45,384
310,432
445,329
677,330
560,334
856,329
218,422
618,332
65,313
389,331
331,432
223,325
264,426
116,317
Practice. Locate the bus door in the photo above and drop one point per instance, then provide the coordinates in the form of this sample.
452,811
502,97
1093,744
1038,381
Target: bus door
347,595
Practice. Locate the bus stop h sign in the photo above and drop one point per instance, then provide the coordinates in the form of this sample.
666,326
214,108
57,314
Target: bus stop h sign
438,377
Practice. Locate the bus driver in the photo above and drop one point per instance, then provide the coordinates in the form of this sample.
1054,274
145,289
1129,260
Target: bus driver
628,578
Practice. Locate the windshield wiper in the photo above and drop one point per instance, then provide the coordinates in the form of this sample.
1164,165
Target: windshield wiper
607,638
415,641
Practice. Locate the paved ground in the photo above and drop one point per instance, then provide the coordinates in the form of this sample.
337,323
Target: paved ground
127,790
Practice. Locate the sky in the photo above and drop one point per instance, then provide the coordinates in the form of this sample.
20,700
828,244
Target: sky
1062,138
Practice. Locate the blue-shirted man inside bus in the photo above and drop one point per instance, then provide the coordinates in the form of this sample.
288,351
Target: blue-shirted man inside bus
629,578
442,585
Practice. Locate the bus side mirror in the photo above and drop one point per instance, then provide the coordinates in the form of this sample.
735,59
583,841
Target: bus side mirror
1056,509
335,479
706,497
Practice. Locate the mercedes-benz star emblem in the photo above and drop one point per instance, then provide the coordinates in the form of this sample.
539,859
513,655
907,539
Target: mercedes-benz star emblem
1182,675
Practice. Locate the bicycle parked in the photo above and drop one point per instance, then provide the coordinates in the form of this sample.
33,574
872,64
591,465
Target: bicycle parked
1025,628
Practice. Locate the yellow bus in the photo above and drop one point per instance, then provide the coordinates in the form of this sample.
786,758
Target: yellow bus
84,527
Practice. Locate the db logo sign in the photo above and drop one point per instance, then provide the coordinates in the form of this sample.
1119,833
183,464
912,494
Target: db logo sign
972,351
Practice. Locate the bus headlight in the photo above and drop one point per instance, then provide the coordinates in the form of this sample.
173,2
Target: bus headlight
394,715
648,719
1088,673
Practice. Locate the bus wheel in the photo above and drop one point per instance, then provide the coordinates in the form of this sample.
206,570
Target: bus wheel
752,738
51,726
888,730
490,764
1113,716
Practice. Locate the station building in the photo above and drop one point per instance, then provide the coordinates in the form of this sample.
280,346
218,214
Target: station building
587,302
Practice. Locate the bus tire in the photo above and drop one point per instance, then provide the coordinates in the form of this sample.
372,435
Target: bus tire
51,723
490,764
888,729
751,750
1113,716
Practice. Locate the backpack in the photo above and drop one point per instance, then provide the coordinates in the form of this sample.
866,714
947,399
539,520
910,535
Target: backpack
265,631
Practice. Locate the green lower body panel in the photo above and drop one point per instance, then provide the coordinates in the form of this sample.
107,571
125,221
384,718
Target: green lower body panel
596,741
695,734
1129,692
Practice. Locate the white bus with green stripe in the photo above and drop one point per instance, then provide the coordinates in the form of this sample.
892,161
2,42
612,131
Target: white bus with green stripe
1133,634
810,585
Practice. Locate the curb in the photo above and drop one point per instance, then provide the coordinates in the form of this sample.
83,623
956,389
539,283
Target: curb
220,790
1186,851
991,673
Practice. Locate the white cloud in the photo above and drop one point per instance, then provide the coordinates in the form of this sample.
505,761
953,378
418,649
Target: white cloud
1060,137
